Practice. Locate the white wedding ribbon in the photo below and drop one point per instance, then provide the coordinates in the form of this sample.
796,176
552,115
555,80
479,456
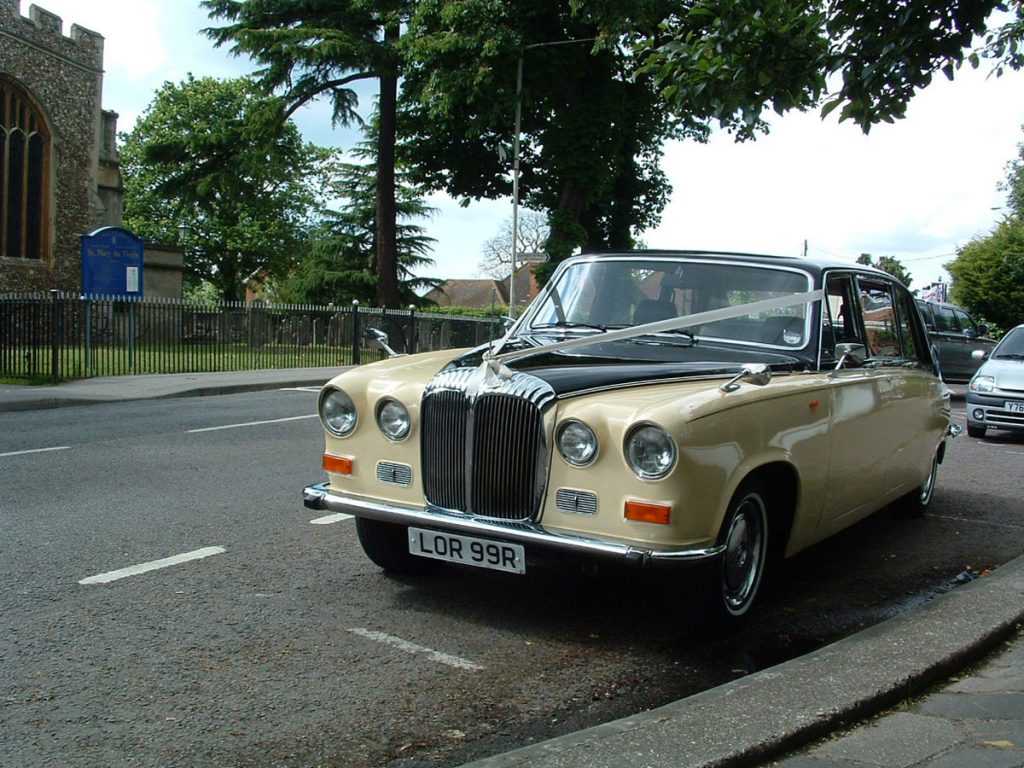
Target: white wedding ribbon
495,362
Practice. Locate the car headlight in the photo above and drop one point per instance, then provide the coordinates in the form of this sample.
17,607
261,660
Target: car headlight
393,419
650,451
983,383
577,443
337,412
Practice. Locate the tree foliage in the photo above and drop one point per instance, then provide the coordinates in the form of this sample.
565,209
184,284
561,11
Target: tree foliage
728,60
318,48
341,264
988,272
592,126
889,264
246,210
988,275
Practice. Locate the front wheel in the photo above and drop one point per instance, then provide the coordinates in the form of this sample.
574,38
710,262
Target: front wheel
973,431
387,545
725,590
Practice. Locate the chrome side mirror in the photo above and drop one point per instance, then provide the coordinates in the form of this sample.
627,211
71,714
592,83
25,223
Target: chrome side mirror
979,354
848,352
758,374
377,339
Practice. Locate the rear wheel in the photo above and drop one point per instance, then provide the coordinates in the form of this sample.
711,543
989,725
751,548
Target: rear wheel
915,503
724,591
387,545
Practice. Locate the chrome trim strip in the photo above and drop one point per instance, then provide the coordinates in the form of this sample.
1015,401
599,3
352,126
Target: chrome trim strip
320,497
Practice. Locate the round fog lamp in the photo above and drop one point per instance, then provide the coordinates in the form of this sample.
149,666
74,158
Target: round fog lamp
979,415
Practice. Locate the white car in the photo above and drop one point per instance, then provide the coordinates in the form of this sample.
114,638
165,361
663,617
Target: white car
995,396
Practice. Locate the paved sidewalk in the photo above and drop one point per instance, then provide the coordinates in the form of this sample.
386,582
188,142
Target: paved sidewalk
947,714
108,389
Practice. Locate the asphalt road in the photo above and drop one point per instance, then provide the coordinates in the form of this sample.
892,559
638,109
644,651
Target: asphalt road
279,644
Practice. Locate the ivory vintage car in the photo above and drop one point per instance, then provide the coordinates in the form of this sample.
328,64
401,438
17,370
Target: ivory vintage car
661,409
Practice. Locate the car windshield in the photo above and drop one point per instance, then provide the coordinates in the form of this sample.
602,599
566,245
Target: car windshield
596,295
1012,346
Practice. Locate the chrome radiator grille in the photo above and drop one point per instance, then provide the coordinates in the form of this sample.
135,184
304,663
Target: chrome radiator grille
485,452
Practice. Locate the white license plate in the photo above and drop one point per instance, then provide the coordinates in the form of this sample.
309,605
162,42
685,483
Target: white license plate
1014,406
468,550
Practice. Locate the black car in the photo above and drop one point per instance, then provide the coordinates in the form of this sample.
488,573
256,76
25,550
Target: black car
955,336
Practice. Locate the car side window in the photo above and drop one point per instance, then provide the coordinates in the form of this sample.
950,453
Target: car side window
839,316
946,321
880,325
963,320
926,315
913,339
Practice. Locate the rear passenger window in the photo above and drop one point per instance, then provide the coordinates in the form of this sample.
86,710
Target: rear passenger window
963,320
946,321
880,325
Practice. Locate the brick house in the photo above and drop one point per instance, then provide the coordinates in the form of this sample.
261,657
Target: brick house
480,294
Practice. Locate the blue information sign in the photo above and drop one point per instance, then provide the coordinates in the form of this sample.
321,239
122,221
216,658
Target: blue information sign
112,263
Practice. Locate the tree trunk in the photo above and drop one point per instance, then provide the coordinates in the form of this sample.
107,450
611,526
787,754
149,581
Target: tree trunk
386,235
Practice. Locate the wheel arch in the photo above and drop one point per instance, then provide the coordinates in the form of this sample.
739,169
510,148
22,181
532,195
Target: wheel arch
782,483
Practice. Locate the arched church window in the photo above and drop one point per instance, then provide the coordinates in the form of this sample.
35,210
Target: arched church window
24,175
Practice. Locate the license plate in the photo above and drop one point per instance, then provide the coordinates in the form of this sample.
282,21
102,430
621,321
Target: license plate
1014,406
468,550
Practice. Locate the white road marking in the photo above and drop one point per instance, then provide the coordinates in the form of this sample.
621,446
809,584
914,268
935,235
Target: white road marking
299,389
331,519
36,450
135,570
404,645
253,423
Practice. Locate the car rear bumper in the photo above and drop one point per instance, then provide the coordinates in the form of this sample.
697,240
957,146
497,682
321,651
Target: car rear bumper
321,497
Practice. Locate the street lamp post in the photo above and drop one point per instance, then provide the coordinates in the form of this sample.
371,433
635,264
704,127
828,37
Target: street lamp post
515,161
515,186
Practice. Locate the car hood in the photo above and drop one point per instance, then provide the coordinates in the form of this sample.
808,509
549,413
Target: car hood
575,374
1009,374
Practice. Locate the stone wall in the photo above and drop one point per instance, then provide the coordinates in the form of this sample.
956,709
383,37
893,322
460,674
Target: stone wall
64,75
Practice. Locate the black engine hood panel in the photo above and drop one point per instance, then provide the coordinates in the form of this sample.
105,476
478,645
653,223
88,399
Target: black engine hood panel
571,374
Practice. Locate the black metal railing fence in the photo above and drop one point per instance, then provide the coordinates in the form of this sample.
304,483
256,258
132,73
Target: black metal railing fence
55,336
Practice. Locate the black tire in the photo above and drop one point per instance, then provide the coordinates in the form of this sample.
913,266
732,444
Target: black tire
915,503
973,431
723,592
387,545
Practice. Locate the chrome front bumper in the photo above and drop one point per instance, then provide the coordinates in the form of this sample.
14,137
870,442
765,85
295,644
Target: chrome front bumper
320,497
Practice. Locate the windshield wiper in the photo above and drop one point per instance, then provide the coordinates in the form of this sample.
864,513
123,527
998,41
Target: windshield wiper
658,338
570,324
1009,356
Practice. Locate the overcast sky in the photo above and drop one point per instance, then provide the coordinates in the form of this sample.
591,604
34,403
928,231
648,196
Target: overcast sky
916,189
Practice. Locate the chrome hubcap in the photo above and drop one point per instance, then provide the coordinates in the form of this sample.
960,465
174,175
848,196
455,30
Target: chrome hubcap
744,553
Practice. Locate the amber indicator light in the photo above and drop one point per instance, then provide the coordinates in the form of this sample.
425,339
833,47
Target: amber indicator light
341,465
645,512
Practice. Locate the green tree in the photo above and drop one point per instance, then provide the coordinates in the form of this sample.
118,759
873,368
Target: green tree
988,272
245,211
341,263
318,48
592,126
988,275
889,264
729,60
